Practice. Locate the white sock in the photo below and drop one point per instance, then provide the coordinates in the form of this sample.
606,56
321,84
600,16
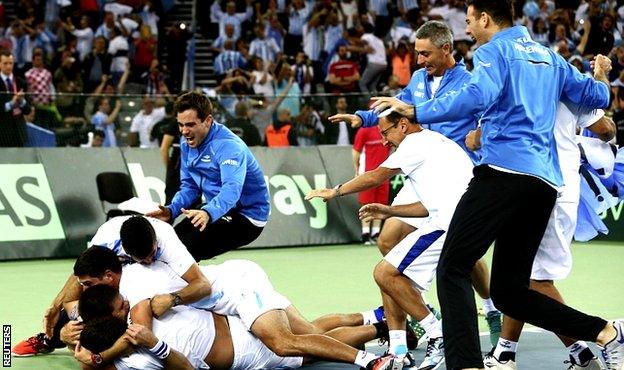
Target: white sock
432,326
363,358
398,342
365,229
375,230
369,317
505,345
488,306
575,349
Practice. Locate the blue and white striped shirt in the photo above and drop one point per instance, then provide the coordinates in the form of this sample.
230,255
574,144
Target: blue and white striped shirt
379,7
266,49
311,42
409,4
296,20
332,35
228,60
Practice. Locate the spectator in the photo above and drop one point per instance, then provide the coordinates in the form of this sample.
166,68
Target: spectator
177,38
261,79
39,81
242,126
291,102
343,74
340,133
118,50
263,47
21,39
227,61
280,133
349,12
149,17
298,12
617,63
312,38
453,14
539,31
154,80
96,139
368,142
265,109
106,28
219,43
378,9
46,40
69,84
309,126
561,36
145,48
96,64
303,73
600,38
84,36
104,119
376,55
275,30
141,128
333,31
230,16
13,104
402,61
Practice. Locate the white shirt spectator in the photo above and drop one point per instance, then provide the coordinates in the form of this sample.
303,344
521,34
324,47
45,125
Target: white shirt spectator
349,9
332,35
118,49
103,31
84,41
399,32
235,19
117,9
297,19
311,42
143,123
456,20
150,18
408,5
379,54
266,49
265,88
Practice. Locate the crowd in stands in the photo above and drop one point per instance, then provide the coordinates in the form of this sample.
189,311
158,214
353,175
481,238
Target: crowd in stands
280,65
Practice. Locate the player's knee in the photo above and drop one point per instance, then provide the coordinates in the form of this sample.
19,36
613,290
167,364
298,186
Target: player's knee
284,346
385,243
383,273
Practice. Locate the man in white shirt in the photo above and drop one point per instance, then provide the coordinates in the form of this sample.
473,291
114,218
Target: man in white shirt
438,171
142,124
376,54
230,16
262,46
118,50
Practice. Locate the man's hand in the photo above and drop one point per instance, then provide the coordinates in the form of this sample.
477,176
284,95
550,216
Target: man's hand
326,194
17,98
374,211
161,303
50,319
473,139
353,119
162,214
139,335
70,333
82,355
601,63
381,103
199,217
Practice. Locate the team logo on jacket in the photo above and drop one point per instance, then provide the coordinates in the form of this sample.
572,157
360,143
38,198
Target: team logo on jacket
421,86
205,158
231,162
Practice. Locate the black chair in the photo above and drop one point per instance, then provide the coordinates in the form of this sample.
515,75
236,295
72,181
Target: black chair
114,188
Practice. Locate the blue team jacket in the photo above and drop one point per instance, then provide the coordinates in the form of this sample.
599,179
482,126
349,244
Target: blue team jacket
517,84
223,169
419,90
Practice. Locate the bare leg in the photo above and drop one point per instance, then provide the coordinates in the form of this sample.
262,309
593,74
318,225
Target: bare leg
481,279
392,232
354,335
399,287
336,320
395,316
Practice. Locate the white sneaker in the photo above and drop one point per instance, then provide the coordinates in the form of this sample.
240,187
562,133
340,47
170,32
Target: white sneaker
613,352
492,363
434,355
593,364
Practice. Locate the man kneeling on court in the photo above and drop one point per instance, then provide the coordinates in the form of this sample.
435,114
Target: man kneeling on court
240,288
438,171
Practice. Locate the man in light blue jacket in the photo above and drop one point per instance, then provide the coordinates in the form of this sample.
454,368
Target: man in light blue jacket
517,84
217,164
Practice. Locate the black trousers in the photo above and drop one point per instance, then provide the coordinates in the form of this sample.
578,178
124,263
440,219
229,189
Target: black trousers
227,233
512,211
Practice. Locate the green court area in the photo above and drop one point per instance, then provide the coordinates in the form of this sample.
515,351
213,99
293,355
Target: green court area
318,280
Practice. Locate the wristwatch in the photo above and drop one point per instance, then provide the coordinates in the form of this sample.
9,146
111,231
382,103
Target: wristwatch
337,188
177,300
96,359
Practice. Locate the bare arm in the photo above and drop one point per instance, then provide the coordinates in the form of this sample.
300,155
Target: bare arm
167,141
367,180
356,160
140,335
113,116
70,292
376,211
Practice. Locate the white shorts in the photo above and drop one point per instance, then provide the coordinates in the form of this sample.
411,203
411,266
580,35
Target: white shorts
251,354
553,260
417,255
241,288
408,196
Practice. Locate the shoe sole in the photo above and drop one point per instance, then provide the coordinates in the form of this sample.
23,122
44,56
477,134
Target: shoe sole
433,368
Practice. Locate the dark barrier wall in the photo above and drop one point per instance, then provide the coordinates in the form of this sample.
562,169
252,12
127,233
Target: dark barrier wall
49,204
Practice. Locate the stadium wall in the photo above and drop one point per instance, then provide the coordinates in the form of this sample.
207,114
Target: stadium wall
49,205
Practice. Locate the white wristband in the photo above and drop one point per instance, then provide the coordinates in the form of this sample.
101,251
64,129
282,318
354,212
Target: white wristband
160,350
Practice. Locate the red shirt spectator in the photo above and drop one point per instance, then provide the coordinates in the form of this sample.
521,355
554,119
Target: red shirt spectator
145,49
368,153
343,74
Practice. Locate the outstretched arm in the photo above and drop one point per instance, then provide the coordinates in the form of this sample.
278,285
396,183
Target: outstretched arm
364,181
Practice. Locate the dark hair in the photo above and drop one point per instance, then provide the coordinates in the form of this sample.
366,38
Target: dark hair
99,133
196,101
395,117
100,334
5,53
501,11
97,301
137,236
95,261
368,28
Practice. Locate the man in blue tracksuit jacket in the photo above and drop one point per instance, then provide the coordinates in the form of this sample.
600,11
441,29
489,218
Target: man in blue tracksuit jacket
517,84
217,164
